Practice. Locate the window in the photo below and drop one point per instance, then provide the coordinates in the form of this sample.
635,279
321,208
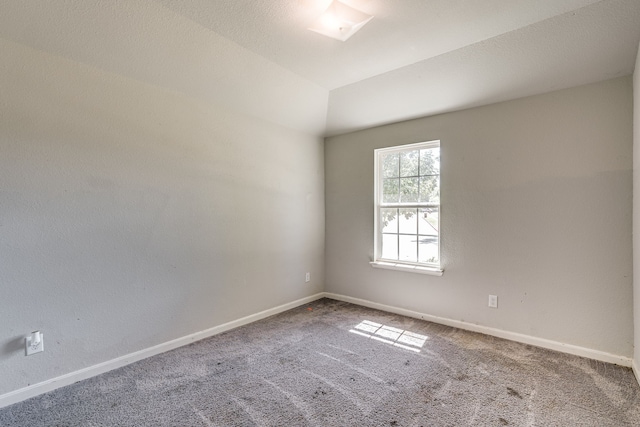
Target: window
407,207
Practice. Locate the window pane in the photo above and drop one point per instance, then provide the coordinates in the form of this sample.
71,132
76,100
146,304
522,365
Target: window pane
428,249
408,248
389,220
390,190
408,198
428,221
390,246
409,190
430,189
430,161
390,165
409,161
408,221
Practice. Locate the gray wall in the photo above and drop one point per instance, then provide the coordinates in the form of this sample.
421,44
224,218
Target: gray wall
636,210
132,215
536,208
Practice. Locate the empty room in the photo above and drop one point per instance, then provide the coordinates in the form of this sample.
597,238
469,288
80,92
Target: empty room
319,213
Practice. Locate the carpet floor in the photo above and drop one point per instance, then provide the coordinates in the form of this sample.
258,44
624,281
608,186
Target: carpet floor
331,363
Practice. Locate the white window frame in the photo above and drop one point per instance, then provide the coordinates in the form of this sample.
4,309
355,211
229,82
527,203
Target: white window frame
379,262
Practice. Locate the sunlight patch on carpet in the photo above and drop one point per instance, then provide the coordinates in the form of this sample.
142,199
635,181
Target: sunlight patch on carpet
390,335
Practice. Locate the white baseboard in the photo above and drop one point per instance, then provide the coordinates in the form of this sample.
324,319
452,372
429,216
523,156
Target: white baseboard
513,336
91,371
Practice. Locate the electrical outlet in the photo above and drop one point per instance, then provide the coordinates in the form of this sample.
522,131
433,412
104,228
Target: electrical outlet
307,277
34,343
493,301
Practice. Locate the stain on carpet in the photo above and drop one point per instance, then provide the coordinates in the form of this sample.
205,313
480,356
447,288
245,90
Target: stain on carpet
513,392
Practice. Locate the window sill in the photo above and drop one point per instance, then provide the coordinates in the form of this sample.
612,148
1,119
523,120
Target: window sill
433,271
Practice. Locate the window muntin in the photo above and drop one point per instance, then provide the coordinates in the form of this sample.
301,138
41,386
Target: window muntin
407,208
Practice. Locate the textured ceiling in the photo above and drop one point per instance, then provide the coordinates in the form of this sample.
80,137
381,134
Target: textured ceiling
595,43
401,33
415,58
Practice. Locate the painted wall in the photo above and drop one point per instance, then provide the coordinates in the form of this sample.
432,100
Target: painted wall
132,215
536,208
636,211
146,41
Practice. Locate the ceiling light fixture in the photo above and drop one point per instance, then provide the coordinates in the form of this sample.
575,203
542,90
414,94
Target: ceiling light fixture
340,21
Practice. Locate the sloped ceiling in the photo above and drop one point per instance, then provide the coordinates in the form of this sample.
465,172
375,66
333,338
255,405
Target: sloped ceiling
403,32
591,44
415,58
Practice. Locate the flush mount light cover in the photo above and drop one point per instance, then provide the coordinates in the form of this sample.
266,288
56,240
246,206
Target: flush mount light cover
340,21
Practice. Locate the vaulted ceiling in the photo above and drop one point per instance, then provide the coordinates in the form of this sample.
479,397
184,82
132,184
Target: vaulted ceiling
415,58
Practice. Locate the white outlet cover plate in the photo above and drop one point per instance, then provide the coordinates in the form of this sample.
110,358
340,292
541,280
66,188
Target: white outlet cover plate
493,301
34,349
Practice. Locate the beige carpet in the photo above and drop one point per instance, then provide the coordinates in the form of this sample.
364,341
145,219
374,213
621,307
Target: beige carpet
335,364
